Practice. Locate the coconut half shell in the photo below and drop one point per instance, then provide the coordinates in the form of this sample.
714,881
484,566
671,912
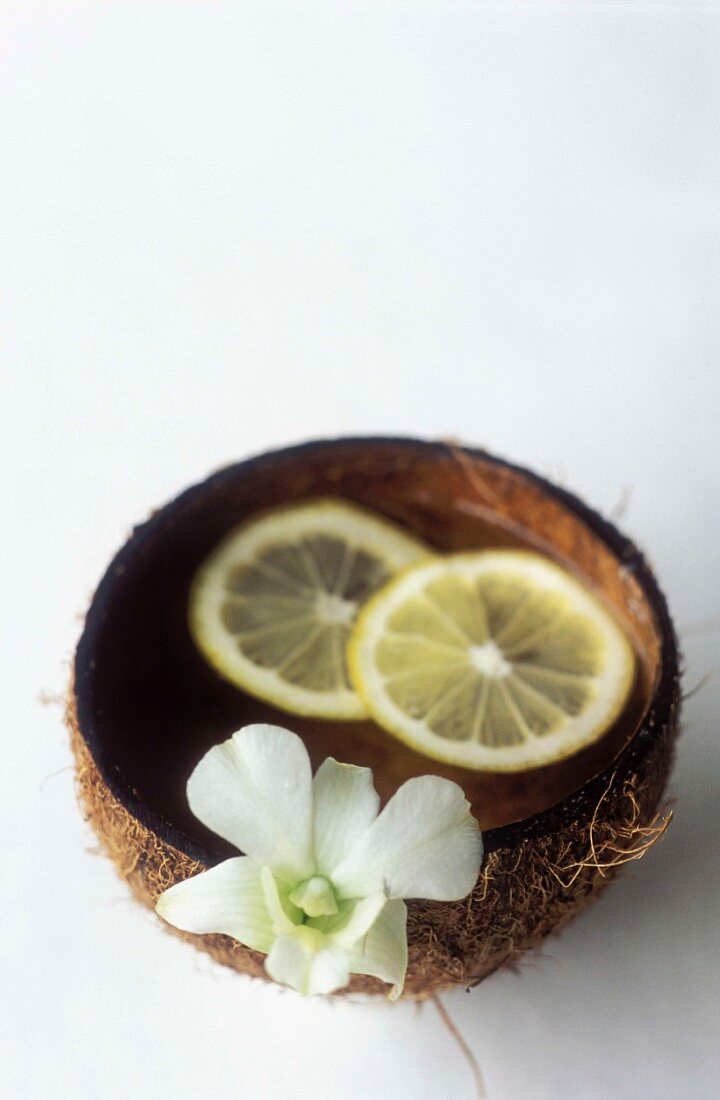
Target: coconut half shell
144,705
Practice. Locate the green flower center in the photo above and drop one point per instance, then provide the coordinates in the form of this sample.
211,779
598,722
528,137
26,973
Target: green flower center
316,897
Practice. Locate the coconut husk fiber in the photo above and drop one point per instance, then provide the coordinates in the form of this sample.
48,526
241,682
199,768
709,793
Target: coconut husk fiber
144,706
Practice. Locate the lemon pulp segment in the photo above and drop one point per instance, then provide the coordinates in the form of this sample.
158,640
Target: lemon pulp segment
272,607
494,660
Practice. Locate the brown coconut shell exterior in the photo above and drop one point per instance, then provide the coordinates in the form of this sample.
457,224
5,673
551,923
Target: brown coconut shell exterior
539,871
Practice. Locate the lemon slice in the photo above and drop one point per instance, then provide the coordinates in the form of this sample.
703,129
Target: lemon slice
496,660
272,607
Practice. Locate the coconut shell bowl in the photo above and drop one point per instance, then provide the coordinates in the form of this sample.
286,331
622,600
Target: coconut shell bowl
145,706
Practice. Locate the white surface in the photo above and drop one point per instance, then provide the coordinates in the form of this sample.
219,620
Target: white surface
230,226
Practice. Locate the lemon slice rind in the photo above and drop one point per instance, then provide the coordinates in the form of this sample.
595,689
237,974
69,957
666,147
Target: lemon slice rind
609,688
361,530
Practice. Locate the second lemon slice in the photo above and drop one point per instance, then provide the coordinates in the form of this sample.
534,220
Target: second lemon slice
272,607
494,660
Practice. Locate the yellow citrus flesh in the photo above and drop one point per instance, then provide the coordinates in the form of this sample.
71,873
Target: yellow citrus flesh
495,660
272,607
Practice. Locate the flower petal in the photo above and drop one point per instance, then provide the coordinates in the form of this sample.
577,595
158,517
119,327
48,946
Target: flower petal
309,972
383,953
362,916
345,804
255,790
284,916
424,844
228,898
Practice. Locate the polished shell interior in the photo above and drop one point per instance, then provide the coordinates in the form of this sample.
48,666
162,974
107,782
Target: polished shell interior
150,705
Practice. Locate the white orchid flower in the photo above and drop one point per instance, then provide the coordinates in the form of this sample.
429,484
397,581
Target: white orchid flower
320,888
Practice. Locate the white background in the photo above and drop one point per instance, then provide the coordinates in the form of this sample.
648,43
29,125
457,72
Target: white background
229,226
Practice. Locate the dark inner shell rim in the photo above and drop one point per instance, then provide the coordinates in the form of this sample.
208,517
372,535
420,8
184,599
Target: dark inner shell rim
574,807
